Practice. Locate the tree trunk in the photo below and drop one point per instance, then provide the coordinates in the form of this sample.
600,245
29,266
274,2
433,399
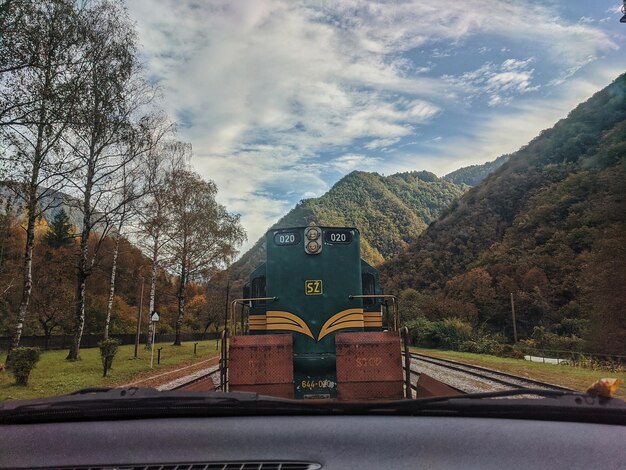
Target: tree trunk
28,279
79,314
107,322
155,255
182,290
30,234
8,210
47,331
82,271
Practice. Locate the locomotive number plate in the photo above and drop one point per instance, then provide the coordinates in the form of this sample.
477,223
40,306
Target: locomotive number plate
313,287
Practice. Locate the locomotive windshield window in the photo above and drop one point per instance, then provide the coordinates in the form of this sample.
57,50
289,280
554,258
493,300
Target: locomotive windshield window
338,236
287,238
368,283
258,290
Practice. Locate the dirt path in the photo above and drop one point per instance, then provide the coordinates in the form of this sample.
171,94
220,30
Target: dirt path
168,374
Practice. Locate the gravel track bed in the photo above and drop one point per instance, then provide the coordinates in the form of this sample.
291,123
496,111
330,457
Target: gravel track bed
179,382
461,381
159,379
505,380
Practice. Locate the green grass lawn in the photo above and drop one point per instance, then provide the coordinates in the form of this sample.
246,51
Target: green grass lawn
53,375
576,378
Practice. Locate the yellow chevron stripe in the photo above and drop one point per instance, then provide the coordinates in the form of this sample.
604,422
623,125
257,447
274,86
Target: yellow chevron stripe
350,318
279,320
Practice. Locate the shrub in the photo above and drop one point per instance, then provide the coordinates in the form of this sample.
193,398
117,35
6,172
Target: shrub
21,363
420,331
470,346
450,333
546,340
108,350
409,304
507,350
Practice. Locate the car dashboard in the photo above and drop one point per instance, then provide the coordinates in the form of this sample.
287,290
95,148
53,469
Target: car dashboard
309,442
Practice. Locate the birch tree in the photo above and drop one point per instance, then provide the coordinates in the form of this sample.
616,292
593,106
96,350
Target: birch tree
170,157
114,96
142,142
126,195
201,233
40,72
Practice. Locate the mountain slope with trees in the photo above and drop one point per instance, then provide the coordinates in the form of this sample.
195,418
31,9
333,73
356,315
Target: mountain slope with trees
472,175
390,211
549,227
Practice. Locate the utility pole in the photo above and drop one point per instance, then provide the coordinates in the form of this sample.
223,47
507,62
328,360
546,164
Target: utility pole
139,319
513,314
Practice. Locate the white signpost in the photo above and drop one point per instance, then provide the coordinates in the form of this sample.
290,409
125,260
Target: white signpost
154,318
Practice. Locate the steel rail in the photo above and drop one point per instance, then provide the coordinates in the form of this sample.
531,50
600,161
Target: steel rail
487,374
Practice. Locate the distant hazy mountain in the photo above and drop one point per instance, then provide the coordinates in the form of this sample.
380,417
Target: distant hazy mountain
390,212
51,203
472,175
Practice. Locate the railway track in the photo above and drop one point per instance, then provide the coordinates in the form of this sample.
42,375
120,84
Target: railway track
476,375
466,378
199,382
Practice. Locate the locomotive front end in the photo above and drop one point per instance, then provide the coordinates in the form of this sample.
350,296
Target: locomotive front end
318,294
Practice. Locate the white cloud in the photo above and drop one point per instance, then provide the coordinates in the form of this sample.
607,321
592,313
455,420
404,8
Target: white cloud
505,133
348,163
263,87
500,83
381,143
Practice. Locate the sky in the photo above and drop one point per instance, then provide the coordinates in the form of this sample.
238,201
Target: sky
282,98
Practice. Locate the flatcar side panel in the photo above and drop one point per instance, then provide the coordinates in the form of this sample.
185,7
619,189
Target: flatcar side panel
261,364
369,366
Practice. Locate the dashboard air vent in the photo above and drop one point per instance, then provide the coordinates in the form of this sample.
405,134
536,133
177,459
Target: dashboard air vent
268,465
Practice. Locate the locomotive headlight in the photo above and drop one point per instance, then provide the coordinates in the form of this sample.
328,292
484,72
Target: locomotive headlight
312,247
313,236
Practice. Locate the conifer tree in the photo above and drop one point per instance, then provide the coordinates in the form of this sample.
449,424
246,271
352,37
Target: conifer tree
60,232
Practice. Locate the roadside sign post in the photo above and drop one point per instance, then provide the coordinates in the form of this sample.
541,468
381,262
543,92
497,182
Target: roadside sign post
154,318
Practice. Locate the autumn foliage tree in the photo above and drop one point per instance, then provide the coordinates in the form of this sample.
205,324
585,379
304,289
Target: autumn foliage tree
40,73
201,233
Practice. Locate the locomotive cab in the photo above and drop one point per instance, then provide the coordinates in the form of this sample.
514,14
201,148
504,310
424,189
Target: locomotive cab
315,321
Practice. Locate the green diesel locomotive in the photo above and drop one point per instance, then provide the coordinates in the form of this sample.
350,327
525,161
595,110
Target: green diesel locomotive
316,326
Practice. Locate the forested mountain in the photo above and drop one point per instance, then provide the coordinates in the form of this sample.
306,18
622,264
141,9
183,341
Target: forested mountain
549,226
390,211
472,175
50,203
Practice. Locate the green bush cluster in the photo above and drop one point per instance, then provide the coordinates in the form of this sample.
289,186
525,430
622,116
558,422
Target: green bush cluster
542,339
21,362
108,350
507,350
457,335
448,333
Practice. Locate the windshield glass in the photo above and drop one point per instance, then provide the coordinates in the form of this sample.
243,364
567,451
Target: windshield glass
313,200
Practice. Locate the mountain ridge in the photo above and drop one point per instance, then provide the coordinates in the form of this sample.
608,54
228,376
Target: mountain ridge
397,208
536,228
